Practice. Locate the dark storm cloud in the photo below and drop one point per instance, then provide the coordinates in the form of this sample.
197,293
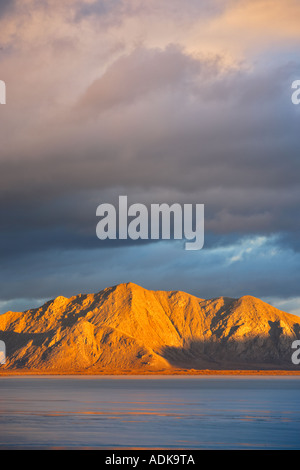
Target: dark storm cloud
220,271
158,121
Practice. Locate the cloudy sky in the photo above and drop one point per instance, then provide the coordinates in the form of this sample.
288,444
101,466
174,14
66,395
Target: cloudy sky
162,101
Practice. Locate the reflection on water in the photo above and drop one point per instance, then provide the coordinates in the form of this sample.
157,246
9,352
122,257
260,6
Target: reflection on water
146,412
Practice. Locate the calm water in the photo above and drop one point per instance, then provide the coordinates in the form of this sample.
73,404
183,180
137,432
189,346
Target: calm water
166,413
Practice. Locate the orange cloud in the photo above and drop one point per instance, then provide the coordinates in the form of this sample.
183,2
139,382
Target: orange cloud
257,22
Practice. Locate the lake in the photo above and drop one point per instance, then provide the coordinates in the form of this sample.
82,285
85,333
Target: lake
107,412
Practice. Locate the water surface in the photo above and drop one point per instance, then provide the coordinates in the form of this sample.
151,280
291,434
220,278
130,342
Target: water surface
146,412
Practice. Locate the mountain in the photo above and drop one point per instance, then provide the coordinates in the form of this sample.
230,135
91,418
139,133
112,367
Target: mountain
128,328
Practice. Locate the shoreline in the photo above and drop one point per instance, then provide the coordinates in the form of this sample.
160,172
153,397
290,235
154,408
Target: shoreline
160,373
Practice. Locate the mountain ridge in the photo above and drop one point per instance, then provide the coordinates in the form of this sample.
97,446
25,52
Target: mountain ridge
126,327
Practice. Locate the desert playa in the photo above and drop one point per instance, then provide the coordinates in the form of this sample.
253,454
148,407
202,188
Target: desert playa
149,412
